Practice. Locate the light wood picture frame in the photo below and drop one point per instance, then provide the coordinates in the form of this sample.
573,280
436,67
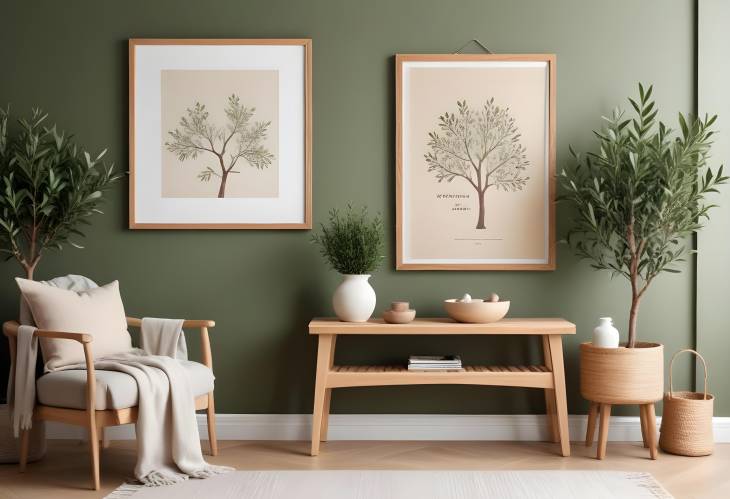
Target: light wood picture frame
475,161
220,133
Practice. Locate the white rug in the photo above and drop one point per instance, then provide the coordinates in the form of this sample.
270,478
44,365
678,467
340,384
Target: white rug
330,484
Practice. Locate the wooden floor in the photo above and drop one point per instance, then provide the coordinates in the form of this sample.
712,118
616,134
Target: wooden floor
64,471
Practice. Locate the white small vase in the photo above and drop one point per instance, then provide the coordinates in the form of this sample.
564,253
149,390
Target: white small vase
354,298
605,335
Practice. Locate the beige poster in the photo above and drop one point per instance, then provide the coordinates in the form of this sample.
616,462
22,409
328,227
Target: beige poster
219,133
476,163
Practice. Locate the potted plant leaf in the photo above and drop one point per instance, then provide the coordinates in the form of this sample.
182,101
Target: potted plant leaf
352,243
636,200
49,187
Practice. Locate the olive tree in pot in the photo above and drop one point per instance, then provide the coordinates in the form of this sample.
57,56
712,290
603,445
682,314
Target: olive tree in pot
49,187
352,244
636,200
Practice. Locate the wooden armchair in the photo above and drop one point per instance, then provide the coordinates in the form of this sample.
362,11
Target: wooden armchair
96,420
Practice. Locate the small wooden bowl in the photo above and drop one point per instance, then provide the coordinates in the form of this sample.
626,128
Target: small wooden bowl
476,312
398,316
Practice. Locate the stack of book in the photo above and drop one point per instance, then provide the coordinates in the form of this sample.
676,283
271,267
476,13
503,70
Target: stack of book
434,363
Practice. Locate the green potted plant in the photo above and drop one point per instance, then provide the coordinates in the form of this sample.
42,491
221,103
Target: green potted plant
49,187
636,199
352,243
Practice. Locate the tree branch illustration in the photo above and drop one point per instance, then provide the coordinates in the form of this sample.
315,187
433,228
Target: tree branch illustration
482,147
195,135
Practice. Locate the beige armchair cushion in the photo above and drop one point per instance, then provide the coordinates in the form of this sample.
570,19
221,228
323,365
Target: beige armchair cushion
98,312
114,390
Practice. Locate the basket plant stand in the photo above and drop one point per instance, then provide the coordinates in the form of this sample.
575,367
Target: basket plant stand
600,411
621,376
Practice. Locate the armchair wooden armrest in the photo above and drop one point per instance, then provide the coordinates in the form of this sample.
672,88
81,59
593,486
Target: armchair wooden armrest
203,325
10,329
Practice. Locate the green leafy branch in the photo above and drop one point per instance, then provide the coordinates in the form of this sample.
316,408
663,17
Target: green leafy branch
48,188
640,195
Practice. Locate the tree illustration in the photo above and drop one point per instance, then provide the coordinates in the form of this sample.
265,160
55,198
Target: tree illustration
481,147
238,139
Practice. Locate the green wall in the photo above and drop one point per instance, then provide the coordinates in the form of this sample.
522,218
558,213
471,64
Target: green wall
713,265
262,287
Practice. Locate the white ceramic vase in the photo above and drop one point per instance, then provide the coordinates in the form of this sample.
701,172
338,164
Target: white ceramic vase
605,335
354,298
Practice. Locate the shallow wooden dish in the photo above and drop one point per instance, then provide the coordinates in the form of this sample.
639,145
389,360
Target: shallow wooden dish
476,312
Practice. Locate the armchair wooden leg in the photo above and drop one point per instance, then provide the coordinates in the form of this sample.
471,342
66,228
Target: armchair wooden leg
94,450
24,442
212,439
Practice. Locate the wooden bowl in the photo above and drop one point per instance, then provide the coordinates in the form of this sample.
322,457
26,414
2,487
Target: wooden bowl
399,316
476,312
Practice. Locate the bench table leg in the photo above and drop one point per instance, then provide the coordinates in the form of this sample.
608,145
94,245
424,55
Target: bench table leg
550,410
561,401
320,415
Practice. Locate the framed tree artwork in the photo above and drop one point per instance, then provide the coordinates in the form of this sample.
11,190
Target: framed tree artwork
475,162
220,134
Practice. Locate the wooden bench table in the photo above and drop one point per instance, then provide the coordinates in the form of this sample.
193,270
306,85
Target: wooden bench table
549,377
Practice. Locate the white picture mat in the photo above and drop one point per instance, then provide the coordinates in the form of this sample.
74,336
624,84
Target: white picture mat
150,206
406,160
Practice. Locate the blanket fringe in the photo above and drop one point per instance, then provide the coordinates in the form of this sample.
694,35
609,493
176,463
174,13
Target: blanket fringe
125,490
210,471
159,479
21,422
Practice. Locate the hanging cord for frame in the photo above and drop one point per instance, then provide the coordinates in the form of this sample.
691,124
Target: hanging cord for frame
473,40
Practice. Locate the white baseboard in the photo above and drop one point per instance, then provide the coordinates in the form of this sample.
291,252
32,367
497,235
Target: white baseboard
395,427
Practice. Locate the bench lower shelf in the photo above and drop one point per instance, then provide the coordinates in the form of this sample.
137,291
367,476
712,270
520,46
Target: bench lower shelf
522,376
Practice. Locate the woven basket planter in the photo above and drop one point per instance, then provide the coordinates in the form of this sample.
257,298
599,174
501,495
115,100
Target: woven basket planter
687,419
622,375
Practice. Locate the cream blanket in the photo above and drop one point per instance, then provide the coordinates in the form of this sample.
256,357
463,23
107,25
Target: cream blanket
21,385
168,443
163,337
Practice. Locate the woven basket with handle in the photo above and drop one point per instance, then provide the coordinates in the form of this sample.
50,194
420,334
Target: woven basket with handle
687,418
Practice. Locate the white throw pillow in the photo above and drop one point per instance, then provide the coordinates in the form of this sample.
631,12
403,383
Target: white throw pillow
98,312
